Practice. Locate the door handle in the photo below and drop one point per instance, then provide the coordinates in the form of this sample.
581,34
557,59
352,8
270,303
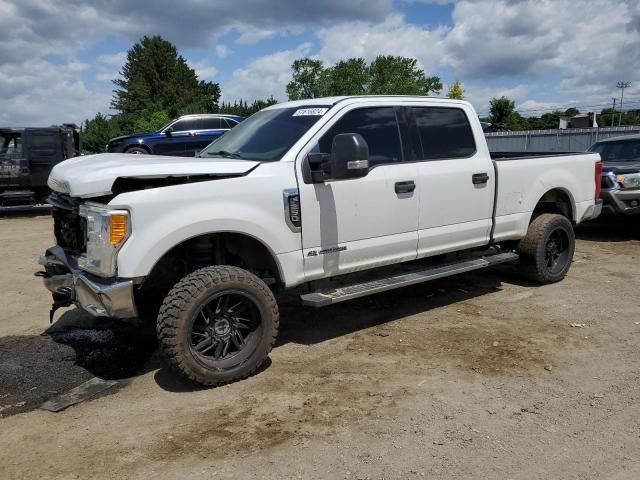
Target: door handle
405,187
479,178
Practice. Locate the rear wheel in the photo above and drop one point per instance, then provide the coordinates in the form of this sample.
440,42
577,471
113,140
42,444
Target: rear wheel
217,325
547,250
137,151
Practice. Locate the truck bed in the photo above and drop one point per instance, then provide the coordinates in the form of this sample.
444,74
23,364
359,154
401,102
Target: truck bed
517,155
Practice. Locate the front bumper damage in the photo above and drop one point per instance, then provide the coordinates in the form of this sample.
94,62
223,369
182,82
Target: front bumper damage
69,285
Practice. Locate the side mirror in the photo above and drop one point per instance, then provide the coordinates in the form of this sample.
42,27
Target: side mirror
168,131
349,156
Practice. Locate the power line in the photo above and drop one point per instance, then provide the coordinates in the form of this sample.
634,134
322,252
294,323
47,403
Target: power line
630,105
622,86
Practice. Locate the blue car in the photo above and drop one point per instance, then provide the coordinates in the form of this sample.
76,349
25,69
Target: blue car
182,137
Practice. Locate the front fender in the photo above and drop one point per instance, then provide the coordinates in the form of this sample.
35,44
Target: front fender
164,217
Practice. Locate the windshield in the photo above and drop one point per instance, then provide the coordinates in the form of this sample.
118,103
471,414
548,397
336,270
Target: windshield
267,135
622,151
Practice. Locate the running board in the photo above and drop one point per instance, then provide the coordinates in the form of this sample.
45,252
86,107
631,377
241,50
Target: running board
322,298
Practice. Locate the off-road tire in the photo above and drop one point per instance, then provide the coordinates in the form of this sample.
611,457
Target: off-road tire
533,248
188,297
137,151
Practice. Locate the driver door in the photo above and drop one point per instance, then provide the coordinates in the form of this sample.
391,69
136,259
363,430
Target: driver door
359,223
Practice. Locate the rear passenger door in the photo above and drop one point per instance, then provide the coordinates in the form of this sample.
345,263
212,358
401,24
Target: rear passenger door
455,180
208,129
175,143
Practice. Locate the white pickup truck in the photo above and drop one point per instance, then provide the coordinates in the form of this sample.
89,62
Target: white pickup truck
303,193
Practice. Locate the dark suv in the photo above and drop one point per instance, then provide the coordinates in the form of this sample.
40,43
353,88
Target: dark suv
184,136
620,174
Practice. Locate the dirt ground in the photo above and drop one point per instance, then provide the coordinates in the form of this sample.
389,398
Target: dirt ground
476,376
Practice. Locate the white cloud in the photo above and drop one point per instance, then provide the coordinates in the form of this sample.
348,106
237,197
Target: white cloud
222,50
113,59
264,76
54,95
204,70
393,36
109,65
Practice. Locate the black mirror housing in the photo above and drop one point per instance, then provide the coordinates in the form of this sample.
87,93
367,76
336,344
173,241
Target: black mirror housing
168,131
349,156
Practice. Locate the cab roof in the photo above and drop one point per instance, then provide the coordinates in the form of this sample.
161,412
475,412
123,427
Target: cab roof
331,101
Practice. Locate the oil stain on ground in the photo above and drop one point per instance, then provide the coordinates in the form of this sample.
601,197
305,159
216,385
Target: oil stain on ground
36,368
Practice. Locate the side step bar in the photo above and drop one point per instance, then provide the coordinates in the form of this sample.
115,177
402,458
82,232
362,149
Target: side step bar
322,298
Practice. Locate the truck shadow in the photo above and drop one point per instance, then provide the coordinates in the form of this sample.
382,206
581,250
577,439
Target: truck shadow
308,326
78,347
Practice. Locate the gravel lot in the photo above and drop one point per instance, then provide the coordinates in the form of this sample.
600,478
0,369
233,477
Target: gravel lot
477,376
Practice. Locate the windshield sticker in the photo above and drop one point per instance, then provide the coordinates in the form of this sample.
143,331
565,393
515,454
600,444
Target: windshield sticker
302,112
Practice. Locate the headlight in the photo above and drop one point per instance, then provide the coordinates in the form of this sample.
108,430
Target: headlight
629,180
107,230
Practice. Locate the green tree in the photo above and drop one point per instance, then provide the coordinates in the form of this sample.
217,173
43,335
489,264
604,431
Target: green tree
347,77
501,110
550,121
98,131
393,75
386,75
307,79
151,119
155,76
571,112
242,107
456,91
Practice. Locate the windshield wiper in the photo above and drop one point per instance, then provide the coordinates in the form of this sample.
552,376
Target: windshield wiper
225,154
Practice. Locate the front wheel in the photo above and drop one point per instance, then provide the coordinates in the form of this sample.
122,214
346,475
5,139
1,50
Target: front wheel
137,151
217,325
547,249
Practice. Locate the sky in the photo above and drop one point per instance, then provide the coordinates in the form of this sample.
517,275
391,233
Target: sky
58,57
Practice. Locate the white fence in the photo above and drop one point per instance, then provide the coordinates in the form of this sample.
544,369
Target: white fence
569,140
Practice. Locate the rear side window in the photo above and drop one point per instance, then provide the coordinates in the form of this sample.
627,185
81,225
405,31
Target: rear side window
211,124
443,133
44,143
378,126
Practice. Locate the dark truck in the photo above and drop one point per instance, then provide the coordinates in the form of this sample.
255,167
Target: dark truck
620,174
27,156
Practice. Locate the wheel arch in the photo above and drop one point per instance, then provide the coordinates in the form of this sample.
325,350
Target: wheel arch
143,146
556,200
227,247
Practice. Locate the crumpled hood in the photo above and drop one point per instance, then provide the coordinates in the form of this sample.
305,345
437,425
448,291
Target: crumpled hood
94,175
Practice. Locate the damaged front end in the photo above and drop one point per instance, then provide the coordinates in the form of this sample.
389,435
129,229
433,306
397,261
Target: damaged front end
80,269
69,285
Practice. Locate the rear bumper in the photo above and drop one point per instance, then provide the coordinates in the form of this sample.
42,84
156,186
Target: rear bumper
69,285
593,211
621,201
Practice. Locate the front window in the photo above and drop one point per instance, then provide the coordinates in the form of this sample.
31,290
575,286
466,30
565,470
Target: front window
379,128
10,145
267,135
622,151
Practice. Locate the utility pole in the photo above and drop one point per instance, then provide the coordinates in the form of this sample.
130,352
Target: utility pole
622,86
613,113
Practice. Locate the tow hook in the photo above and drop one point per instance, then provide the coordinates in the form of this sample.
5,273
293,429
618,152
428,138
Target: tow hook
61,298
